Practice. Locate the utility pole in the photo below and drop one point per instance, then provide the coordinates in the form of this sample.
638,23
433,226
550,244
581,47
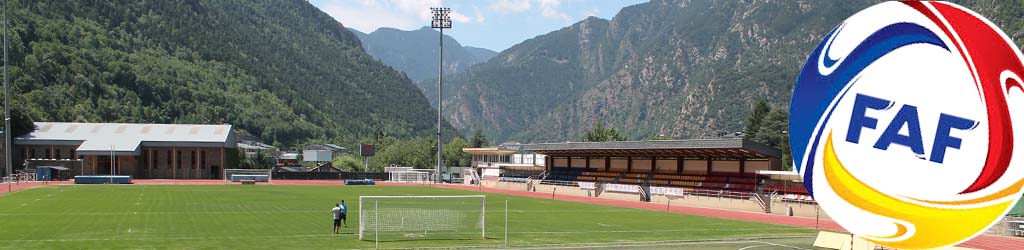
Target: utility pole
440,21
7,105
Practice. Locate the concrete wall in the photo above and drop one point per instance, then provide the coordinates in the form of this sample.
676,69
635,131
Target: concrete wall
666,165
695,165
725,166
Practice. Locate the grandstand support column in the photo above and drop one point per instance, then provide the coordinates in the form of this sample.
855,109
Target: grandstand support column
679,165
709,165
149,163
195,154
654,163
588,162
174,163
568,162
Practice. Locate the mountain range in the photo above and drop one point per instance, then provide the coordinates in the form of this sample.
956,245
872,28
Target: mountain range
415,52
678,68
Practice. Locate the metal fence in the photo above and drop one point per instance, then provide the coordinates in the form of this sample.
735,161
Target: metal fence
329,176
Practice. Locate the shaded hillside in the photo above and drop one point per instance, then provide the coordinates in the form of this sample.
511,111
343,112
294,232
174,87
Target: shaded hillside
527,80
415,52
282,70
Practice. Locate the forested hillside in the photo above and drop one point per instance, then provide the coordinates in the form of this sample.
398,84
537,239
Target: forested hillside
415,52
279,69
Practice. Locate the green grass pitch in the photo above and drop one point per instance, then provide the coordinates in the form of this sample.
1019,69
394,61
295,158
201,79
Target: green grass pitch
298,217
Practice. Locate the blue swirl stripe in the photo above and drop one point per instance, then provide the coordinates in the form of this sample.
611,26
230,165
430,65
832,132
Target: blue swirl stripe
814,92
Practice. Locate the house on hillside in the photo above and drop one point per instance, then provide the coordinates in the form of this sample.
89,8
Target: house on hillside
252,148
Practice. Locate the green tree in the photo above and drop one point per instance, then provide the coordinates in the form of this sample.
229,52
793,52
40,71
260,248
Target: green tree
453,154
756,118
348,162
479,140
21,123
599,133
773,132
416,152
258,161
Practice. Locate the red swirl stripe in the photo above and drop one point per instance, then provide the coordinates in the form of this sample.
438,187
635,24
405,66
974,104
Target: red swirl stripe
991,55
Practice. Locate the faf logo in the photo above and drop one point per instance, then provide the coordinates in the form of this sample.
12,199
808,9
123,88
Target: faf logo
902,124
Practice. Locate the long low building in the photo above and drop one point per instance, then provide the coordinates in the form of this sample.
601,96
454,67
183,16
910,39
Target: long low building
725,164
148,151
736,155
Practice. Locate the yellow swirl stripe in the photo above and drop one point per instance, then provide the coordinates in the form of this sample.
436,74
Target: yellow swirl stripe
933,226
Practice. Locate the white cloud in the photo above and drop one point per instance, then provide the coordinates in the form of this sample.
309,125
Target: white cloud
552,9
510,6
479,15
369,15
419,8
460,18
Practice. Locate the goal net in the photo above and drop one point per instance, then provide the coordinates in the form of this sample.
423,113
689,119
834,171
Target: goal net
237,175
389,218
410,176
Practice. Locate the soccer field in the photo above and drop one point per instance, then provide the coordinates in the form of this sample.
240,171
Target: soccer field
299,217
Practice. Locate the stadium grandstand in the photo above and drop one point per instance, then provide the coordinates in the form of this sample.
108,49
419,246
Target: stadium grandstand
730,164
658,170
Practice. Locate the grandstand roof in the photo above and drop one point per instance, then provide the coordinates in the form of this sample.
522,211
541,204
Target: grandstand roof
489,151
697,148
126,138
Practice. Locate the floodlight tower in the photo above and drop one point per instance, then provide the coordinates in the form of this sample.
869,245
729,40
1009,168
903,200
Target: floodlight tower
7,105
441,20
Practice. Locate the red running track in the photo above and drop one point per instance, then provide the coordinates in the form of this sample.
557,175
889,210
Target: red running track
980,242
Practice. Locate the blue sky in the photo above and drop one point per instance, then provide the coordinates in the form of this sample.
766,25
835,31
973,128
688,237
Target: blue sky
495,24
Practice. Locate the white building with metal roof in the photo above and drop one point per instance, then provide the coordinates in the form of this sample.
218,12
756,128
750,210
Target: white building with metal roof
171,151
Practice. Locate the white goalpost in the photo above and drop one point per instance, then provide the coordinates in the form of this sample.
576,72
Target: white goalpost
238,175
410,176
383,218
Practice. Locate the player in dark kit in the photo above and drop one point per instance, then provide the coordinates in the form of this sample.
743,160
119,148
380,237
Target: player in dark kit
344,211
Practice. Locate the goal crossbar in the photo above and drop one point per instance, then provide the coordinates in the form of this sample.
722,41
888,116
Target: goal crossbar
426,216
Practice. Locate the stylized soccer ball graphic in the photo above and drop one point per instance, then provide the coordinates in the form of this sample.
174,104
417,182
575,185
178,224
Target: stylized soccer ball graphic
902,124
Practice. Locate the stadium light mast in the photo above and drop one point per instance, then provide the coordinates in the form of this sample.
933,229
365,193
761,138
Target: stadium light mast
7,105
441,20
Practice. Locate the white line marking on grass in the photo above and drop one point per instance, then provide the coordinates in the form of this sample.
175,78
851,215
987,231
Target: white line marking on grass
755,246
632,244
157,213
656,231
782,245
604,225
180,238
